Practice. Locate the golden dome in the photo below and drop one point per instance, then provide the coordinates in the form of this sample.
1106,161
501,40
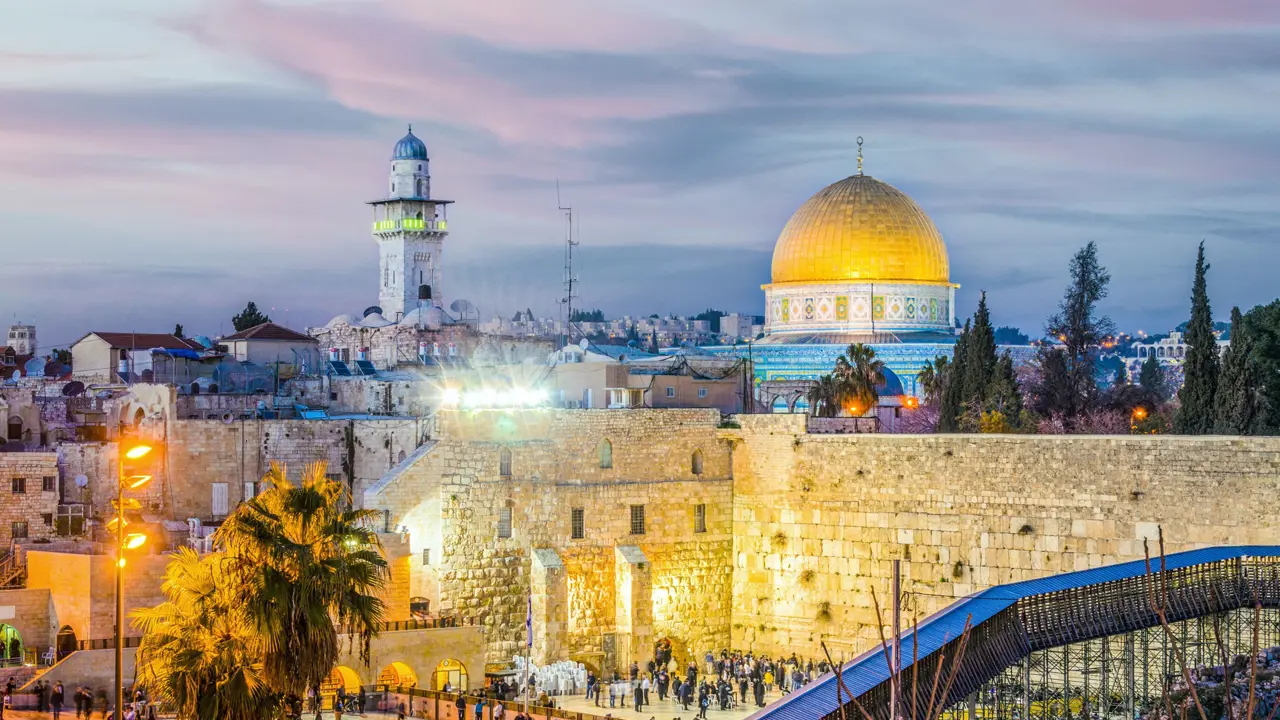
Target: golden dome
860,229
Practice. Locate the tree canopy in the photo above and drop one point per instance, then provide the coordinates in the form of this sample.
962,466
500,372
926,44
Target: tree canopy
249,317
1200,369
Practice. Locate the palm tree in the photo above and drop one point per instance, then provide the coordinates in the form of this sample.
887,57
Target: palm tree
861,373
825,396
199,651
308,568
931,379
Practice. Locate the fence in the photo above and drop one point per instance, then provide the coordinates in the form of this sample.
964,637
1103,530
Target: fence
436,705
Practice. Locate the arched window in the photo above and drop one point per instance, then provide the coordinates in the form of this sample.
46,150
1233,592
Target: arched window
138,416
605,450
504,463
697,462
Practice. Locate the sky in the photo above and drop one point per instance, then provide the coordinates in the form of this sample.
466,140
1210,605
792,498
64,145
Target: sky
166,161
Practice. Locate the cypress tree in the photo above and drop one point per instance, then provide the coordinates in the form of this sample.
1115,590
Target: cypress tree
1200,370
952,405
1151,378
980,359
1237,398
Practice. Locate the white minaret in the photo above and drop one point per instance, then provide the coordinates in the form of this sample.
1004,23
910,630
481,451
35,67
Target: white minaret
410,228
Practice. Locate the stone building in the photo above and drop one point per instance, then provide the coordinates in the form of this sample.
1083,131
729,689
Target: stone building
29,488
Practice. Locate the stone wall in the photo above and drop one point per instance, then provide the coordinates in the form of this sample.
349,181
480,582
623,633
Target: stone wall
203,452
452,499
819,518
23,498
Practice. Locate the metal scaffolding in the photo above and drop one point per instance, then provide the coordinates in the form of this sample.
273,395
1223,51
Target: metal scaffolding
1118,677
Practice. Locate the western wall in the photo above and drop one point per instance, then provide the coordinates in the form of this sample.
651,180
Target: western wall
799,527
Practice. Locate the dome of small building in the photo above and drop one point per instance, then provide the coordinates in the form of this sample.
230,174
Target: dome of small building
344,319
428,317
860,229
410,148
375,320
891,386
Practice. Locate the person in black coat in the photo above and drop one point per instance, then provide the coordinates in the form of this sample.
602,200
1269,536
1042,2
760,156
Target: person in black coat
759,692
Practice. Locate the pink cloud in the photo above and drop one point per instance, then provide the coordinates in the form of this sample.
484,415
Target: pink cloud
398,62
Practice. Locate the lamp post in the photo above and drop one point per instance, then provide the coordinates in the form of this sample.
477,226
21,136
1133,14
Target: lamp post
125,542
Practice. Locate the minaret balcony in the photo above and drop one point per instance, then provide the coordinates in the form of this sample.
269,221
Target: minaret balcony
410,224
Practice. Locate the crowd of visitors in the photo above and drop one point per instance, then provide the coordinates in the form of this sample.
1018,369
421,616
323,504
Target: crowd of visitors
54,699
725,681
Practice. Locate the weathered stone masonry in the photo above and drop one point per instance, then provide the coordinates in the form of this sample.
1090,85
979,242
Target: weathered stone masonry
799,528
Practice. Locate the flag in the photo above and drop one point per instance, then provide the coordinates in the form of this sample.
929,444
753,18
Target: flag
528,621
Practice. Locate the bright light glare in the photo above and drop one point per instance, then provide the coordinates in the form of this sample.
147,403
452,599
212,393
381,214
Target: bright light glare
451,396
133,541
137,481
137,451
510,398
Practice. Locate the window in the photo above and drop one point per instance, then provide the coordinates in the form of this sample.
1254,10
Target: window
504,522
671,391
48,519
250,490
605,450
386,521
578,523
702,392
697,462
48,484
699,518
18,485
637,519
426,556
18,530
504,463
218,500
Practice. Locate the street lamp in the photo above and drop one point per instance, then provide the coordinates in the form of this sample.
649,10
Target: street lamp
125,541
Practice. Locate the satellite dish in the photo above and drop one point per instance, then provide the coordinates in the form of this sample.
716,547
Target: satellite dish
584,343
372,310
82,481
73,388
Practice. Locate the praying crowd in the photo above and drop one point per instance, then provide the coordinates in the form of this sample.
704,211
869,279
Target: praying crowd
726,681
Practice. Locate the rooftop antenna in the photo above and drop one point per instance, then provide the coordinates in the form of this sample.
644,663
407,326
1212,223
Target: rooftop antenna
859,154
570,242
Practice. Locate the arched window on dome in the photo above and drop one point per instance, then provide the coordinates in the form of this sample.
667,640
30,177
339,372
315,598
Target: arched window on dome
605,451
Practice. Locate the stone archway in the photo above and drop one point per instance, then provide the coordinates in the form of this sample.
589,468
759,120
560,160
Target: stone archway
397,674
10,646
66,642
341,676
451,671
15,428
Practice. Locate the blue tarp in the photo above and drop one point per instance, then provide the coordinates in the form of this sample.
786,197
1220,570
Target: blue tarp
178,353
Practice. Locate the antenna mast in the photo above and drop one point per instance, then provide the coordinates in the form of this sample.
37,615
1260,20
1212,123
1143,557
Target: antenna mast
569,244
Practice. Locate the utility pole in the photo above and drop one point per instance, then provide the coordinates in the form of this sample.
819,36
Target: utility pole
895,649
569,244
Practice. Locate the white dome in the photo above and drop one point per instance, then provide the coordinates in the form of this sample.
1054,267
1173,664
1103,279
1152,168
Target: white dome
375,320
341,320
430,317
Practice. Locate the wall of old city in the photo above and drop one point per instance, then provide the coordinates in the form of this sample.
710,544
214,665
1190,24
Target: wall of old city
451,497
204,452
819,518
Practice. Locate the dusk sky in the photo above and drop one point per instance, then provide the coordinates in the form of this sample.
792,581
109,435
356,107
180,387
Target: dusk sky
165,161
